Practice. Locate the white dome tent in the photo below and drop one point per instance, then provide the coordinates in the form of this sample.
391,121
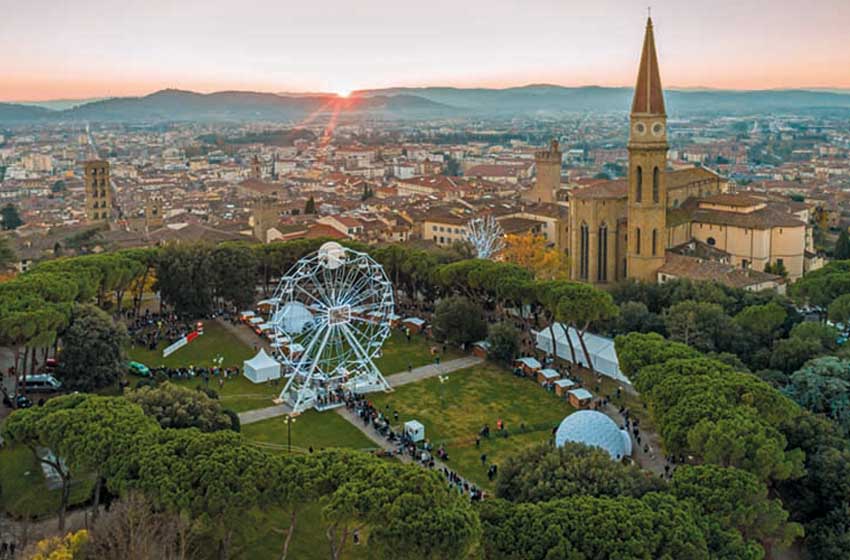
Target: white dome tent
596,430
261,368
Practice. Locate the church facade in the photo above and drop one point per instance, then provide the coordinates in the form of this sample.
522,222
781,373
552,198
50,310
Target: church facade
641,226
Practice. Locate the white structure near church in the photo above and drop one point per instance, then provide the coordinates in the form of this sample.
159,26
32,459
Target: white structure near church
603,355
261,368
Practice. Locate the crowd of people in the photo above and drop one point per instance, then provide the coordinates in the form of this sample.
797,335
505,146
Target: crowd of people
403,445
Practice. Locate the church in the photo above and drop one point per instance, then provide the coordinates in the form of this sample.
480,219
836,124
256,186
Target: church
659,224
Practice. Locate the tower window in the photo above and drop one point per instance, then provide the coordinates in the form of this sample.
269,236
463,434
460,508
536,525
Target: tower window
639,184
654,242
637,241
655,187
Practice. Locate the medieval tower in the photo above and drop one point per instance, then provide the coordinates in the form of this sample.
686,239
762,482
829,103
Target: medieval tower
98,192
647,195
548,180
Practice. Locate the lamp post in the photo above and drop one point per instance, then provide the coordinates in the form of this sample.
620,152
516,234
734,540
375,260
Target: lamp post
289,420
443,379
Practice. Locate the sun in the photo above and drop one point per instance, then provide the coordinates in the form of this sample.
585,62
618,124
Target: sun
343,92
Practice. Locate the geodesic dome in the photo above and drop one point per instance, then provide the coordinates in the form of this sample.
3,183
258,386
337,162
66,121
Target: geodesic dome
596,430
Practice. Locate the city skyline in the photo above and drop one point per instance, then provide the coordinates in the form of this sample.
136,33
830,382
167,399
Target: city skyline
91,50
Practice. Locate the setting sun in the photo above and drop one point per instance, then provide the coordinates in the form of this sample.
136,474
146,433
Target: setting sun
343,92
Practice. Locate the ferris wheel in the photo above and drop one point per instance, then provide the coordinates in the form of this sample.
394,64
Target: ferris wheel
331,313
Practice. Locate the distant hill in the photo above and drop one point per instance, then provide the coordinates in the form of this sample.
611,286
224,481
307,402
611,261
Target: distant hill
420,103
545,97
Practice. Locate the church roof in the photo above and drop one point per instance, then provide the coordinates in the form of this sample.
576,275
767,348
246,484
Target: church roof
649,97
618,188
693,268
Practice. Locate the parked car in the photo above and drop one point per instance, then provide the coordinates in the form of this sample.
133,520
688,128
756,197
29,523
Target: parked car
40,383
139,369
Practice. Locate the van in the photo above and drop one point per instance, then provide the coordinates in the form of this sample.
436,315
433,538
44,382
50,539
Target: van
40,383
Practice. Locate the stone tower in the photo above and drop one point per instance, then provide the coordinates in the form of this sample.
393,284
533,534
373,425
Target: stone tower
647,198
98,192
153,213
265,214
256,168
548,180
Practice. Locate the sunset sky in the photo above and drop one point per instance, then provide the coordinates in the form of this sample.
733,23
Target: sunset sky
53,49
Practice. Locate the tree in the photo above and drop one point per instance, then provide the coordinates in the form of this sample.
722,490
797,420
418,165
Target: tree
72,546
504,342
532,253
636,351
827,335
459,321
133,529
92,355
96,436
655,526
698,324
839,310
737,499
173,406
542,472
234,276
635,316
310,206
10,217
842,246
183,274
789,354
762,322
582,305
823,387
34,428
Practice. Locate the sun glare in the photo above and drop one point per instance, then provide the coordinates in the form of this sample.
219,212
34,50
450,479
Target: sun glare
343,92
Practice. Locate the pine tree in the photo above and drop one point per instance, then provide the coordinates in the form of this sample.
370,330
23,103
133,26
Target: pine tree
310,207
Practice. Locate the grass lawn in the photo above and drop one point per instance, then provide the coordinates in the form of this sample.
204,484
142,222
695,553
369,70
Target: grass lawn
397,353
23,492
216,341
454,412
316,429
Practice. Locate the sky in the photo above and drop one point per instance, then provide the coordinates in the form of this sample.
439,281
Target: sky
73,49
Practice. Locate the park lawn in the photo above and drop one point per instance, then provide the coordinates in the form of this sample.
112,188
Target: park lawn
455,411
397,353
23,493
216,341
316,429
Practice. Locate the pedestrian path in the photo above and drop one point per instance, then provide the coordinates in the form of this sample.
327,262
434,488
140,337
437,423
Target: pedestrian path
397,380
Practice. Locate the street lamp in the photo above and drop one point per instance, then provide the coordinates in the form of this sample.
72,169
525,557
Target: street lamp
289,420
443,379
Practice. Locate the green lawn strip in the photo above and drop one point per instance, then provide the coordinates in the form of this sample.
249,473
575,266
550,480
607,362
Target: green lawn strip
455,411
23,492
316,429
397,353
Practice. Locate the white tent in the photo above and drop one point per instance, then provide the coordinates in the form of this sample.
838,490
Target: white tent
261,367
601,350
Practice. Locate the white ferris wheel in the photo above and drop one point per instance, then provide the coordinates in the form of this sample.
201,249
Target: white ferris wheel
331,313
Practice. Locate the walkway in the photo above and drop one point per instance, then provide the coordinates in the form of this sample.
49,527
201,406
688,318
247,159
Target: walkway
397,380
245,334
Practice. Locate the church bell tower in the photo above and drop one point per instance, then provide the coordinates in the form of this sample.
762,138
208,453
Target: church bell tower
647,198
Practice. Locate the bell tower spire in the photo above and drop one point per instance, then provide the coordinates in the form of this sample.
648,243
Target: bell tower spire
647,199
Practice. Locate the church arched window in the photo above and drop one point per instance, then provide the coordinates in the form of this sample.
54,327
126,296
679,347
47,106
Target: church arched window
654,242
639,184
602,254
637,241
655,187
584,251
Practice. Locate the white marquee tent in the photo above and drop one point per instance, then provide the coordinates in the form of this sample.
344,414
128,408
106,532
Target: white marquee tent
261,367
601,350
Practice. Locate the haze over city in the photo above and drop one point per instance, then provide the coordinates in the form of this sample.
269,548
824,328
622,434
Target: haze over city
95,48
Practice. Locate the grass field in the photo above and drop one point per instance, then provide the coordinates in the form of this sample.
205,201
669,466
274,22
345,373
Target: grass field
398,353
311,429
216,341
453,413
23,493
